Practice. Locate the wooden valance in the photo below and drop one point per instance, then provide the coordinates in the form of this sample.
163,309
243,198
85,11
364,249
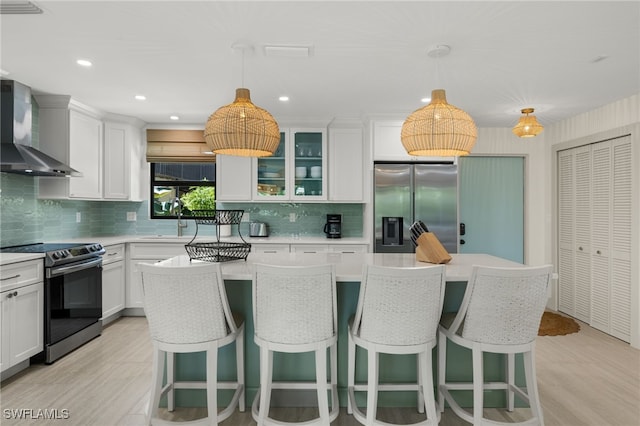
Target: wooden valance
177,146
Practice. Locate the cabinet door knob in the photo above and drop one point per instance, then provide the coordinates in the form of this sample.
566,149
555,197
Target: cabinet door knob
580,248
598,252
10,295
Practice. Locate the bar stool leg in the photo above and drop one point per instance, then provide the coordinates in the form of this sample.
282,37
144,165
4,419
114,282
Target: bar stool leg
511,380
171,378
532,386
212,387
427,386
420,385
478,386
266,371
321,384
156,383
351,370
335,405
372,388
442,367
240,367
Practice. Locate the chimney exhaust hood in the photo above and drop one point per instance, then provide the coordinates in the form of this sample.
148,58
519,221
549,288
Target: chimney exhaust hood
16,153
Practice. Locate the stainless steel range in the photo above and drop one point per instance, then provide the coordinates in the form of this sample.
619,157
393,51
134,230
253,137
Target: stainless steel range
72,295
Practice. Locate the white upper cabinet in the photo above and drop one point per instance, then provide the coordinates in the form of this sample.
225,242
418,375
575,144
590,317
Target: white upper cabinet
234,178
346,165
105,151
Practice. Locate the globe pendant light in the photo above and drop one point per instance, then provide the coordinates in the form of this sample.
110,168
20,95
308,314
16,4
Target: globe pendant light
439,129
528,125
242,128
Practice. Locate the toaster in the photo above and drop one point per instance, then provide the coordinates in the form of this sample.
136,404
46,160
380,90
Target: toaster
258,229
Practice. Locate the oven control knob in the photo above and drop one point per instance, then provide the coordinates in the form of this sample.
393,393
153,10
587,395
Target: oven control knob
65,253
95,247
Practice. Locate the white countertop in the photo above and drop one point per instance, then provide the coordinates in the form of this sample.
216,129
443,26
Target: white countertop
349,266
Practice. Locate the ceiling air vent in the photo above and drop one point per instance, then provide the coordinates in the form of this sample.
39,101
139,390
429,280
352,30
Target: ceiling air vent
8,7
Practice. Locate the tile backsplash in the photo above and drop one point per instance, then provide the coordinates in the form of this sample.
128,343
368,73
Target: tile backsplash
26,219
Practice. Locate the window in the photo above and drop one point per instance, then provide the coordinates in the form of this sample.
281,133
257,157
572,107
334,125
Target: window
181,187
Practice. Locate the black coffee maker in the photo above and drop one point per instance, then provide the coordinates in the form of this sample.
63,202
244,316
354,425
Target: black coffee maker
333,227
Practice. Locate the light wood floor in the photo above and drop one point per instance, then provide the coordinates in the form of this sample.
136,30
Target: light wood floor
587,378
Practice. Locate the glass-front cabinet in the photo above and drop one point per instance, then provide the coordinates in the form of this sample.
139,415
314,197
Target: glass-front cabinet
297,170
272,172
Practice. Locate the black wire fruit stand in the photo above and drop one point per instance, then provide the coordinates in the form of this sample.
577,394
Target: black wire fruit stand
217,251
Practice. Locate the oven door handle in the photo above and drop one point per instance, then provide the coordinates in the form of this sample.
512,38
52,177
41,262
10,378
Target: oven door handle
54,272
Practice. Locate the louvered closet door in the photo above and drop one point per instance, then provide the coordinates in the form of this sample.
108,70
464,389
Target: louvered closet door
582,230
566,235
601,233
620,248
574,199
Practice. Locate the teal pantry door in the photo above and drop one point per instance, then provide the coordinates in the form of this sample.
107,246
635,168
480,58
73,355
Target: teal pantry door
491,206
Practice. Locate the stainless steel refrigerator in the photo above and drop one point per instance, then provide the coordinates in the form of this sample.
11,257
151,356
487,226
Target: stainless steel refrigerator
408,192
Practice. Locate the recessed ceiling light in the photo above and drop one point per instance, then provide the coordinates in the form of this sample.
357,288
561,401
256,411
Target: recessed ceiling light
283,98
141,97
174,117
84,63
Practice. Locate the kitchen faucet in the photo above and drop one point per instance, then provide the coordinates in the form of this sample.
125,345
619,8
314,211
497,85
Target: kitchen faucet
176,207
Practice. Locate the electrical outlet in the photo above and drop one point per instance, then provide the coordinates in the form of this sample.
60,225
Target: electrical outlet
78,217
245,217
292,217
131,216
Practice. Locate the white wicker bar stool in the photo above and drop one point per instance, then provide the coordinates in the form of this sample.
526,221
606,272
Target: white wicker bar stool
295,311
188,311
398,313
500,313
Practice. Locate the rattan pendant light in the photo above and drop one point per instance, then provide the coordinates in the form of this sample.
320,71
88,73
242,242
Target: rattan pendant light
528,125
439,129
242,128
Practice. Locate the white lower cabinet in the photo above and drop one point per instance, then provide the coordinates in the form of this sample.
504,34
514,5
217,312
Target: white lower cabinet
348,248
21,312
145,253
270,248
113,280
309,248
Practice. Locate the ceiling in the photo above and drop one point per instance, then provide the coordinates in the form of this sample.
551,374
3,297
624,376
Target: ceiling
368,59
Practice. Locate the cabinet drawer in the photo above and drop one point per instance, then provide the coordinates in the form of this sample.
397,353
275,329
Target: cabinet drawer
270,248
114,253
348,248
156,250
19,274
309,248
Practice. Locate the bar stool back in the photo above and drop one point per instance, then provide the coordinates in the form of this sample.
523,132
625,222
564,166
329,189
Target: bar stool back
188,311
294,311
398,313
500,313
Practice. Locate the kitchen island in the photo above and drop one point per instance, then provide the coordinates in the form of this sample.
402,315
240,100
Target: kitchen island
237,276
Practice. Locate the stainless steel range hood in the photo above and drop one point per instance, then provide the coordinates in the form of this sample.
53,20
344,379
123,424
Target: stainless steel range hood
16,153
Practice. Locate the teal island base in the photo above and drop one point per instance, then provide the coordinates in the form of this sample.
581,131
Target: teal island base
291,367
